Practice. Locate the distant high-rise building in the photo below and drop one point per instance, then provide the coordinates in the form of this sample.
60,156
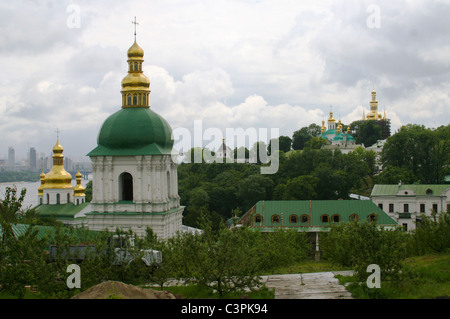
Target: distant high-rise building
32,160
11,158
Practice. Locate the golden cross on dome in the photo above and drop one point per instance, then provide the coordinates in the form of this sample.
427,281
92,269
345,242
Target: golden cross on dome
57,133
135,24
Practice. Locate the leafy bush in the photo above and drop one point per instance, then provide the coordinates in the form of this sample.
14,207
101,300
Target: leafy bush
359,244
432,234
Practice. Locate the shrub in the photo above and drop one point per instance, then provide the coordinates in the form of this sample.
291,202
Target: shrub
432,234
358,245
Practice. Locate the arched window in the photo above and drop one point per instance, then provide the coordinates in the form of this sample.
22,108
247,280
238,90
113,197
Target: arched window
126,187
40,200
129,99
140,99
48,199
275,219
354,217
258,220
293,219
143,100
325,218
134,99
336,218
372,218
58,198
429,191
68,197
135,66
304,218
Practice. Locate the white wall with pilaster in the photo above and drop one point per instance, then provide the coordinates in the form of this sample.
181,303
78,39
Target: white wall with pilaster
155,194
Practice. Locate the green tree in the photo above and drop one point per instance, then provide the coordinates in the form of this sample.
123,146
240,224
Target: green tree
433,233
22,253
422,151
282,248
298,188
300,137
284,144
394,175
88,191
367,132
225,261
359,244
253,189
241,153
315,142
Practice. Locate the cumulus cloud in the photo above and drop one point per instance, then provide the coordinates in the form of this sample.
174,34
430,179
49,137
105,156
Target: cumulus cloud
228,63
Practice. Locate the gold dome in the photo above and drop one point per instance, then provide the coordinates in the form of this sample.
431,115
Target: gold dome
135,51
137,80
78,189
58,147
58,177
331,119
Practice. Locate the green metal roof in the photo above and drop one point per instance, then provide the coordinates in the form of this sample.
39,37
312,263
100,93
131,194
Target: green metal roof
62,211
21,229
78,235
418,189
134,131
313,210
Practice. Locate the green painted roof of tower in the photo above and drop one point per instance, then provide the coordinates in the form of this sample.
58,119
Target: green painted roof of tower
134,131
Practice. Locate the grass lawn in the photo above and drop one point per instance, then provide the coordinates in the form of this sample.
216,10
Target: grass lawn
424,277
307,266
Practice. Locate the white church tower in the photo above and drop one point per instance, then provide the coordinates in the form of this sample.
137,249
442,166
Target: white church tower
135,182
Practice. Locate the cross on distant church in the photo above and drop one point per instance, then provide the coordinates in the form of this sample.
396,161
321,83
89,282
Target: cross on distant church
135,24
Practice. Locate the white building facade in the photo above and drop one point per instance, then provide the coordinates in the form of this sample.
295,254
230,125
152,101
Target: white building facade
407,203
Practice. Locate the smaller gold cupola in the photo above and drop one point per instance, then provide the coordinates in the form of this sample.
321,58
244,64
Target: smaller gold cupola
339,127
78,190
58,177
331,118
41,187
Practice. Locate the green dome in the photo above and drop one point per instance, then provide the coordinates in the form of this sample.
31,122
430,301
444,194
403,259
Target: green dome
134,131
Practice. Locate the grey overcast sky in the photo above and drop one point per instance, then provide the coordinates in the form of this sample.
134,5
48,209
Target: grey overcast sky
230,63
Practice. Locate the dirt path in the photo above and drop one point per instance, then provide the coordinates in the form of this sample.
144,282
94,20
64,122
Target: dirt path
320,285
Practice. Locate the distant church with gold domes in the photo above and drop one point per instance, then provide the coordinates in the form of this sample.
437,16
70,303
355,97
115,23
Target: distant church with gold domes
56,186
